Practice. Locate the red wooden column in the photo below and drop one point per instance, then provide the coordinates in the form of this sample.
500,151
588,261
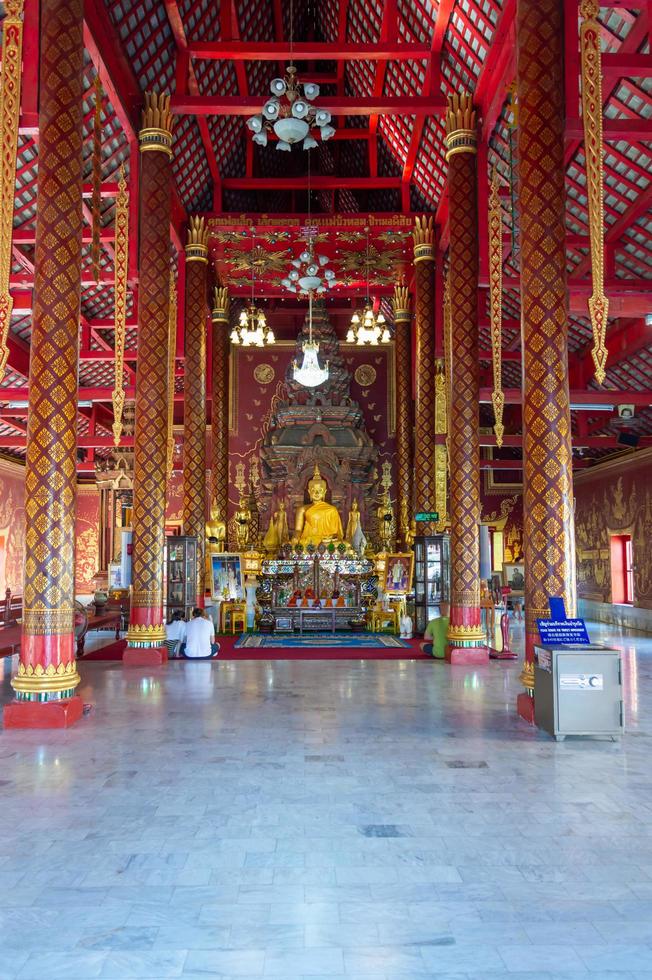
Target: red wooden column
194,417
146,634
47,673
548,540
220,407
466,636
404,413
425,493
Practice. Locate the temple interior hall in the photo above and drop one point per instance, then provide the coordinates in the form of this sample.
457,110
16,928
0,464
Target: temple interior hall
325,489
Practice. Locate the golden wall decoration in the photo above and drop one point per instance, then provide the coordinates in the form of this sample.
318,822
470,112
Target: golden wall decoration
496,301
12,43
591,62
172,350
121,263
448,354
96,198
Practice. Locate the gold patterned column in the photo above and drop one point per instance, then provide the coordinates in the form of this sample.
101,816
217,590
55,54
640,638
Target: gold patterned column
547,454
220,407
424,408
12,43
466,637
146,634
404,412
194,412
47,673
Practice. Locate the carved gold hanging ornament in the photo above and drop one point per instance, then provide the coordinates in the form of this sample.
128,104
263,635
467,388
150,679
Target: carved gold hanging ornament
96,199
593,149
121,260
12,43
495,300
172,360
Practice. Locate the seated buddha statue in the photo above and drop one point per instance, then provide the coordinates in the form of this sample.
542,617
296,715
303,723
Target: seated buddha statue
215,531
318,522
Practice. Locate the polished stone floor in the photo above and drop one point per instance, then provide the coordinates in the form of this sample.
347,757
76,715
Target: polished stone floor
325,819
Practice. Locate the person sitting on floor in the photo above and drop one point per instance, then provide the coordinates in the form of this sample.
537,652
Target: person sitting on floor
436,633
175,634
200,637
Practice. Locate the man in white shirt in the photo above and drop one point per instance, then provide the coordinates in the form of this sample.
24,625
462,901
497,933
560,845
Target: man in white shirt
200,637
175,634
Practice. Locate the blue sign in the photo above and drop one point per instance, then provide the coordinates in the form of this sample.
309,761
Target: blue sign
556,631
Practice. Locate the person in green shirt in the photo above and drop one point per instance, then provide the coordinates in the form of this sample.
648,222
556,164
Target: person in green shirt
435,634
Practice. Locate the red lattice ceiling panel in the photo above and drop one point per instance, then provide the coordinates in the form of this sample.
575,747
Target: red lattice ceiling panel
364,25
228,142
190,166
201,19
256,20
147,39
329,19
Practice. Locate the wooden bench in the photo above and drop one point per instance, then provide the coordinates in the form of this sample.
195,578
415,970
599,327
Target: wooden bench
106,620
11,610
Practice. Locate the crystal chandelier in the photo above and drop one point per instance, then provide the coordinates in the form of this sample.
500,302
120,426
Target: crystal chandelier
310,374
252,329
290,115
367,326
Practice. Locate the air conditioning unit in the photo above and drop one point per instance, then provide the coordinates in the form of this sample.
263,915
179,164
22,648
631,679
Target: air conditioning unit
625,412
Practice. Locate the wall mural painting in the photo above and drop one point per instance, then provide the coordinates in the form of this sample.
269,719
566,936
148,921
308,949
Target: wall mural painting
12,527
616,499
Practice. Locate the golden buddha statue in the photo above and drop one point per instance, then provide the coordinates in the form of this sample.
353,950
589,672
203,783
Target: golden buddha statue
318,522
215,531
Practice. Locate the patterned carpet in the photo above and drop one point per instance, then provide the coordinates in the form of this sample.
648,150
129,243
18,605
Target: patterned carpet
310,641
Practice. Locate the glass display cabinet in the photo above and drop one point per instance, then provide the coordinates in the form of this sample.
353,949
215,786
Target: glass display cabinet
180,586
431,577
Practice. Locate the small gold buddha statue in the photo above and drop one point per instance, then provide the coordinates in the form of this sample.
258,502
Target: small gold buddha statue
353,522
318,522
215,531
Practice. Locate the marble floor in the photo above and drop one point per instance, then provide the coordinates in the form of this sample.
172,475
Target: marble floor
328,819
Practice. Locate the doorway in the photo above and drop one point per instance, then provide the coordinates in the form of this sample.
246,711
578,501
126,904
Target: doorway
622,569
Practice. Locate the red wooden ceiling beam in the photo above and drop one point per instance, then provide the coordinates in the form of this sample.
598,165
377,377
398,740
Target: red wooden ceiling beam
307,51
636,210
629,337
620,65
235,105
318,183
513,396
186,77
431,83
388,32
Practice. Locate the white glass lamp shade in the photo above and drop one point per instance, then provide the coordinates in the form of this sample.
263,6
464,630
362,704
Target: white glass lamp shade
305,256
271,109
323,260
329,274
309,143
255,124
327,132
235,336
313,269
311,90
323,117
293,275
278,87
271,339
385,339
290,130
309,282
300,109
243,318
284,146
261,138
381,319
350,337
355,319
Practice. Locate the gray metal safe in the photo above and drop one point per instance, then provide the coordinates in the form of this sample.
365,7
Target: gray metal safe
578,690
